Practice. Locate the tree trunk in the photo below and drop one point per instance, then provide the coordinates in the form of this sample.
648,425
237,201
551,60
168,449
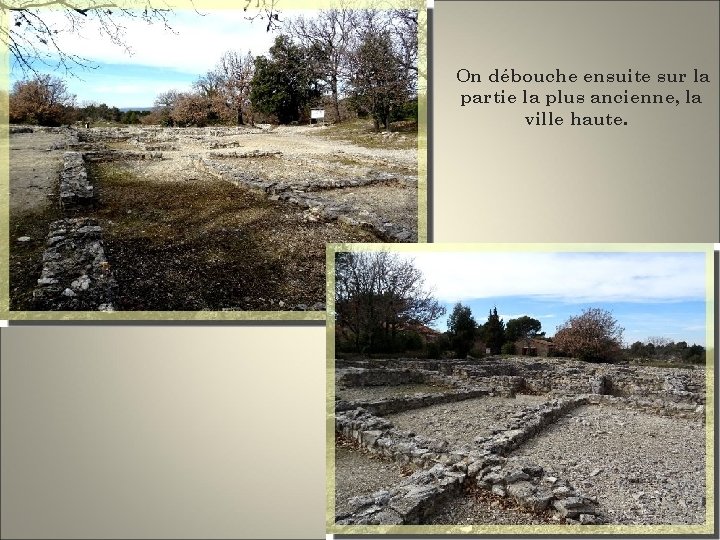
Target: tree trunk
336,101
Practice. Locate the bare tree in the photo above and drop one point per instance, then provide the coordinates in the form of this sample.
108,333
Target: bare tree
34,35
405,23
377,294
164,103
235,73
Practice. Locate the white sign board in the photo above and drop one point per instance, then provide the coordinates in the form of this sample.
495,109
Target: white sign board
317,113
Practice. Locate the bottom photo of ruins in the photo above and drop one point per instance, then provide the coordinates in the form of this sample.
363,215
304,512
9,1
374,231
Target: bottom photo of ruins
541,389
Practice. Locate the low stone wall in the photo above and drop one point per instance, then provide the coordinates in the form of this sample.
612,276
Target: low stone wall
564,376
121,155
353,377
378,436
420,494
525,424
409,502
76,274
400,404
76,190
243,155
298,194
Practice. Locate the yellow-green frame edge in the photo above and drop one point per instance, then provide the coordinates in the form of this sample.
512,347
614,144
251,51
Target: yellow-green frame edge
6,313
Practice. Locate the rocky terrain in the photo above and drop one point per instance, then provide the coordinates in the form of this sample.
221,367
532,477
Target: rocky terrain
601,445
201,219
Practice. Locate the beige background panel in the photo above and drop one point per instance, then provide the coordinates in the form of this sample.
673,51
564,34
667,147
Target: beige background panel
163,432
498,180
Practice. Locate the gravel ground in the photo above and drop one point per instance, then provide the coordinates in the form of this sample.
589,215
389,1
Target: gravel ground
369,393
460,423
357,473
484,509
643,469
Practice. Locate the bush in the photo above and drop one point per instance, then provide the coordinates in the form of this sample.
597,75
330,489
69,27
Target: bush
43,100
433,351
594,336
406,111
507,348
408,341
477,353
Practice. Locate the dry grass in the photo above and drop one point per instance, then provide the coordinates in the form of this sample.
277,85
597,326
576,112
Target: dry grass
403,135
207,245
26,257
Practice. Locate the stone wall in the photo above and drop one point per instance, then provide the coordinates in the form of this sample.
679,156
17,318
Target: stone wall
446,470
564,376
75,274
299,194
76,190
407,403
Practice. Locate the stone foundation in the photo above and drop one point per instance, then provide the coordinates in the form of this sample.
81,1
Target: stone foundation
76,274
75,188
488,462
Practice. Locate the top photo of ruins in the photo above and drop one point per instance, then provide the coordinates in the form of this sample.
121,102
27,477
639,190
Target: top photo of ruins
195,162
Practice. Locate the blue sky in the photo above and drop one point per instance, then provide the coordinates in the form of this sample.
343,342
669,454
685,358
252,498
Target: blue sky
159,60
650,294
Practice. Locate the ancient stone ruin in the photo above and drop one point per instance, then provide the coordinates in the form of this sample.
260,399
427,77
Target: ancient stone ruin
518,440
75,274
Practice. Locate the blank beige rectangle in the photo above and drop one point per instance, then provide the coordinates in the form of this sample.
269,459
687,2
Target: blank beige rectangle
161,432
495,179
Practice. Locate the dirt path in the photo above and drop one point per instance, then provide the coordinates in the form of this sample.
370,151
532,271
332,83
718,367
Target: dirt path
34,169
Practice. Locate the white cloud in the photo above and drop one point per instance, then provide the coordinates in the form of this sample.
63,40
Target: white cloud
571,277
196,44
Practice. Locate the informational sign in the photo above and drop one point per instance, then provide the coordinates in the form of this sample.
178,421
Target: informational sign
317,114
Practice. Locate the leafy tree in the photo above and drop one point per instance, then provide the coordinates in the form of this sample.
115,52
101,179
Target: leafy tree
461,329
43,100
522,328
379,83
493,332
328,37
378,295
285,83
593,336
640,350
694,354
195,109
